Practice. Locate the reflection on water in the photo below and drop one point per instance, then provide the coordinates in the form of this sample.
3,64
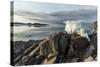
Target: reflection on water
26,33
35,33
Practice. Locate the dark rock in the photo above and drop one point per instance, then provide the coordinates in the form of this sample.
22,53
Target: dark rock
80,46
94,26
94,43
78,49
22,48
80,43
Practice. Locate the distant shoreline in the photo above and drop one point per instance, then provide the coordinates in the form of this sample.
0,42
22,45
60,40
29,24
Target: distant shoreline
28,24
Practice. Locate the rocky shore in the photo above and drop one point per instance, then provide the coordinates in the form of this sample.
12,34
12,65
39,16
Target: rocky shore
57,48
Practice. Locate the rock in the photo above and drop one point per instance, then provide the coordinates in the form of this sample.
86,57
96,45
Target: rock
44,48
50,56
89,51
50,61
94,40
39,59
59,48
80,45
75,59
95,58
61,59
94,43
63,44
54,44
89,59
29,47
94,26
24,59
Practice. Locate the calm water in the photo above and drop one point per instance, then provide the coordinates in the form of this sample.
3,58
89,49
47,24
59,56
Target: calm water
35,33
26,33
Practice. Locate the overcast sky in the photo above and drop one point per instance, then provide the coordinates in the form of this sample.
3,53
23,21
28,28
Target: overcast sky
47,7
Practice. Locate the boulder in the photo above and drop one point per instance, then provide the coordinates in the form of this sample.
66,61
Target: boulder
80,45
54,44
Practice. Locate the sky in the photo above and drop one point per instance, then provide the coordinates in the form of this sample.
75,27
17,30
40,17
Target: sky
47,7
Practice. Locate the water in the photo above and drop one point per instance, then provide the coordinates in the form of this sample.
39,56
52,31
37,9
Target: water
26,33
55,24
35,33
